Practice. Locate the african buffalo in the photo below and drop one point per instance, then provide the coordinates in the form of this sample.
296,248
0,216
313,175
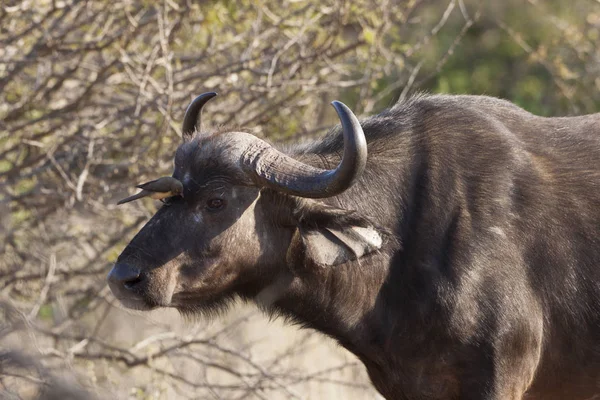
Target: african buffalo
459,260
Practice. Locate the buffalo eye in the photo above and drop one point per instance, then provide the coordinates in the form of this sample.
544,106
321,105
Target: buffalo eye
215,204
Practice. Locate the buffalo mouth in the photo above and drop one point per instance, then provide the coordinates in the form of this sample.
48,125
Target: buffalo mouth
138,290
182,286
133,296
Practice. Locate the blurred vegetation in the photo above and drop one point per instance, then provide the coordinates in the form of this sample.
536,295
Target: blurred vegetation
92,94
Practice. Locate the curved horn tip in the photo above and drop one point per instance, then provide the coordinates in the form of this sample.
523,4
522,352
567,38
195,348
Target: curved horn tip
337,103
191,119
346,116
342,108
209,95
204,97
350,123
354,159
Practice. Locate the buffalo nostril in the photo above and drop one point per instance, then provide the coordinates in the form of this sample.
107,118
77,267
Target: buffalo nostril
126,275
131,283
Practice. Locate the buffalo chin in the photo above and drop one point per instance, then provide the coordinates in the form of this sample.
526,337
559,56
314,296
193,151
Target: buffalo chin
194,307
143,301
137,304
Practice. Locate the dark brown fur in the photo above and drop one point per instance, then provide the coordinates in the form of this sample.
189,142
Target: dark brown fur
487,285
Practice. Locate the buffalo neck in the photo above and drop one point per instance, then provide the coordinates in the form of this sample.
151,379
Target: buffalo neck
351,302
348,302
342,301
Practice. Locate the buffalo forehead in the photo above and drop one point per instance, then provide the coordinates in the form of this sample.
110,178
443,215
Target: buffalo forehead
198,162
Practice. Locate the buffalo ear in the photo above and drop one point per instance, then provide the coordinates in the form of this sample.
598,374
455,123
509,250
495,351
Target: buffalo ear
330,236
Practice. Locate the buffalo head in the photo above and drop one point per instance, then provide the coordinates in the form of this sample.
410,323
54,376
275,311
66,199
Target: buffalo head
248,214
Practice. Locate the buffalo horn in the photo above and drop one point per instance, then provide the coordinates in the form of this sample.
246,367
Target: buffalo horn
191,120
279,171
